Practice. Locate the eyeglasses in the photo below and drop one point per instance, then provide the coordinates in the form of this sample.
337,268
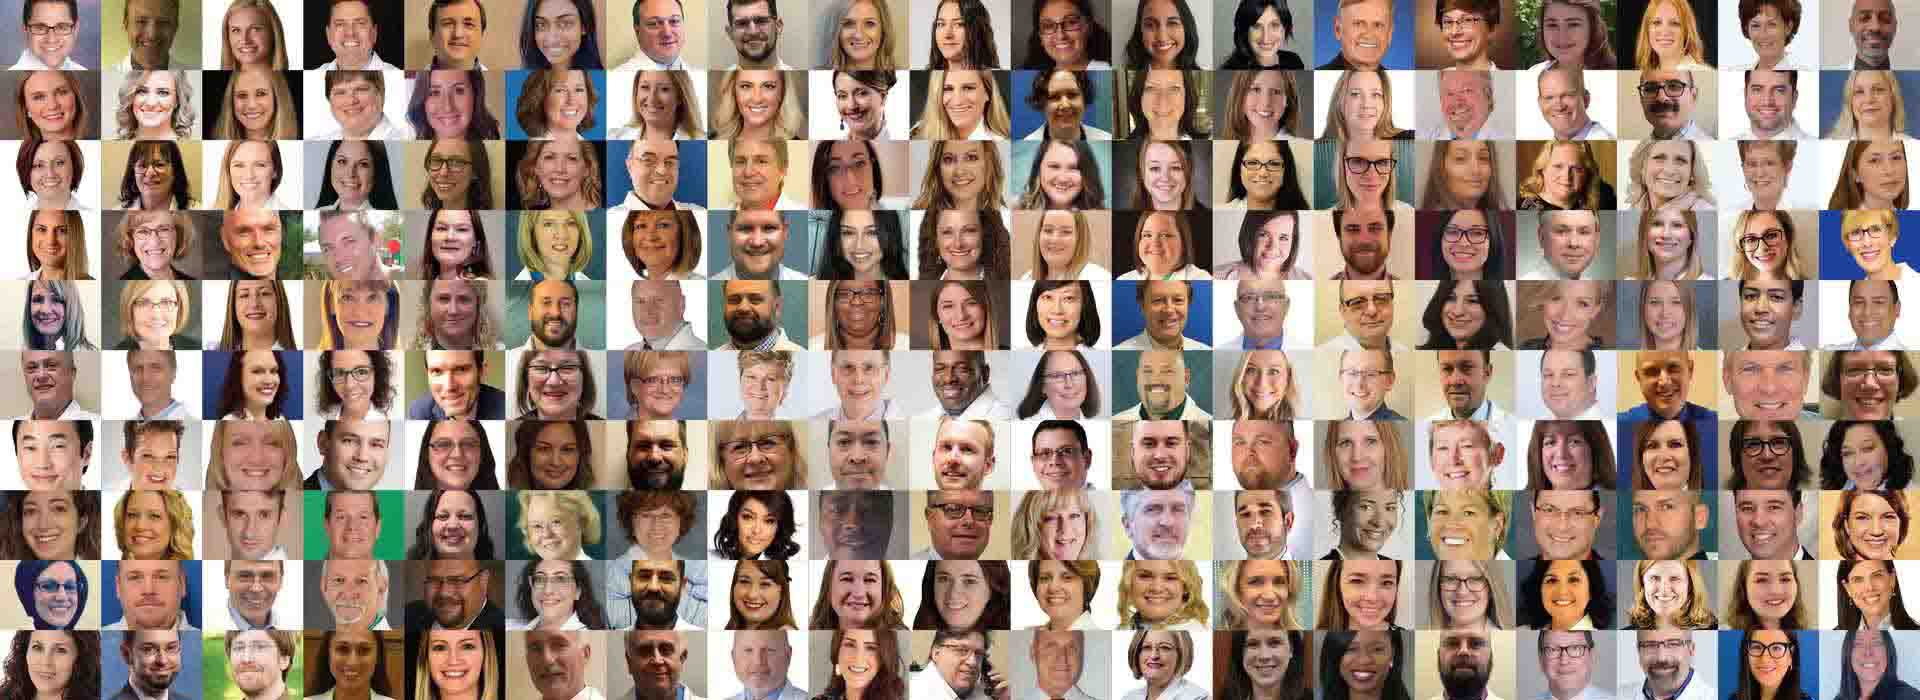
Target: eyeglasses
1072,377
1064,454
669,382
1476,584
955,511
1885,374
358,374
165,306
1358,166
52,587
540,372
961,649
1571,651
1465,23
61,29
1378,300
858,296
1772,236
444,445
1666,644
1267,298
1752,446
1363,375
1873,231
1555,513
1776,650
1475,234
1672,88
436,163
149,233
443,581
1272,166
1071,24
742,449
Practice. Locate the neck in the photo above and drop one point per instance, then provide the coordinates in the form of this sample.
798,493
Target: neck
55,200
1053,343
1174,343
165,272
357,133
758,415
1661,689
1379,274
1872,622
51,409
966,204
153,408
1888,273
1066,412
257,340
160,133
1671,270
353,412
156,200
856,693
1568,134
1164,132
461,411
869,340
340,693
1470,410
256,410
574,202
756,133
1873,132
1364,695
863,410
1266,202
1867,688
1468,275
1767,202
1350,551
1266,692
52,273
1480,62
1067,133
151,344
1379,343
1155,689
1667,133
451,64
1872,202
1467,131
972,273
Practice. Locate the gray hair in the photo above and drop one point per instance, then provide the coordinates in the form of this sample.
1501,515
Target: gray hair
1130,501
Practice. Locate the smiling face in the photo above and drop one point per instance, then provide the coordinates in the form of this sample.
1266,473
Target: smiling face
959,239
48,242
1267,380
860,34
850,175
1262,183
49,519
1871,309
156,315
557,31
553,531
53,47
153,459
1469,175
758,175
1569,311
1462,456
1364,30
965,97
253,104
1565,521
1565,592
1467,602
1665,456
1061,180
52,174
1880,174
249,36
759,94
1765,242
1869,384
1463,314
1871,99
1362,103
1466,99
1370,519
457,31
1565,385
455,661
1666,112
351,173
855,593
1873,527
1668,172
456,466
252,173
154,100
1667,590
56,594
569,99
1768,309
1459,249
1669,239
756,596
147,530
963,173
452,181
1464,526
52,104
1664,378
1369,590
1160,246
1366,378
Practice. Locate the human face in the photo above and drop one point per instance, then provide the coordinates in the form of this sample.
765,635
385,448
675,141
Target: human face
1060,592
1466,35
1160,247
1461,525
855,593
1365,380
1771,591
453,379
456,525
1565,34
49,236
1158,529
1156,590
959,239
1159,658
151,591
1065,383
1160,451
963,173
1365,242
757,525
353,526
455,661
1370,519
950,34
1871,310
1164,100
963,537
451,182
656,458
1766,385
356,394
1360,455
1765,172
858,660
1569,313
569,99
1264,590
856,307
655,238
348,248
1770,98
356,105
759,241
1868,384
962,592
763,389
1367,661
255,453
754,30
1057,659
352,174
1262,185
1562,103
1666,524
1565,522
760,659
656,587
1267,95
49,661
1469,174
1570,240
654,166
660,30
1368,591
1165,173
1669,239
1766,521
154,659
1166,310
1465,98
1063,531
760,457
1462,314
49,378
1870,585
1055,469
962,458
1262,305
1868,658
1462,457
1664,379
962,315
1267,380
1064,33
756,596
153,176
53,47
253,105
1668,172
256,305
1364,30
1873,26
152,372
1162,379
1765,255
252,239
1566,592
1666,33
1266,36
456,466
1665,456
965,97
1665,113
1463,380
1065,103
52,173
351,32
860,34
1667,590
1163,32
154,100
1262,451
562,170
655,659
1062,182
555,383
1262,525
1568,457
53,106
1863,456
252,587
150,26
56,594
250,38
1363,102
1873,526
352,656
152,460
850,175
555,457
1871,99
456,603
857,451
453,243
1565,386
759,94
457,31
861,106
156,314
557,33
1881,173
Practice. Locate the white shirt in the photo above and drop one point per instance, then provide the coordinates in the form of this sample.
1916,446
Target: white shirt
1145,342
1074,693
888,409
1088,132
329,696
1690,131
986,405
782,203
28,61
1545,271
1091,272
374,62
900,342
1442,132
928,684
1699,687
1587,693
781,65
386,130
683,338
1792,132
1189,411
173,411
1183,689
572,624
74,202
641,61
633,201
1191,273
787,274
75,412
1346,341
1887,343
1593,131
126,64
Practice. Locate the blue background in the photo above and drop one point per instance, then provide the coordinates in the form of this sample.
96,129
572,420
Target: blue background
113,668
1099,104
1837,264
214,368
110,606
1026,152
693,406
692,187
1627,455
1733,661
517,79
1834,82
1130,320
1325,47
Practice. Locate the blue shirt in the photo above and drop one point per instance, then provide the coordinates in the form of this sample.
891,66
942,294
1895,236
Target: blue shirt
1691,413
1247,343
490,405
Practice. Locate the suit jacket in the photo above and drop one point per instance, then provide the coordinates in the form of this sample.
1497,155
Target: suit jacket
126,693
492,405
419,617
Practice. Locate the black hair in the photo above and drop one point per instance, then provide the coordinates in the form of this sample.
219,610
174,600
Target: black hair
1802,473
1333,686
28,574
1799,288
382,197
727,539
329,399
1244,16
1099,40
1532,611
1833,474
182,188
1089,327
1290,197
1496,266
1136,48
422,549
1496,331
893,246
586,57
1293,684
586,607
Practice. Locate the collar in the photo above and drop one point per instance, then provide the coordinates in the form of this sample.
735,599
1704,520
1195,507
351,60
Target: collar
1862,64
1646,691
770,695
165,412
241,624
1249,343
661,342
1175,414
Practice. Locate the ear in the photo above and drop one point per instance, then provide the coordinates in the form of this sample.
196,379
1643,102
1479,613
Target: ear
1287,520
1498,455
1699,516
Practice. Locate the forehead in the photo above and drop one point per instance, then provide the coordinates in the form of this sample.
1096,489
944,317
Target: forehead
751,287
352,501
1156,360
962,430
128,568
1363,358
51,10
965,498
1164,289
1159,428
1560,359
656,429
464,9
44,358
1163,497
548,290
758,219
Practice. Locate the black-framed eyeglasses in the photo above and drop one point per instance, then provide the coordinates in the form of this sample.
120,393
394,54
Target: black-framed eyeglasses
1752,446
1776,650
1672,88
1272,166
1476,584
1358,166
955,511
440,581
1571,651
1772,236
1473,234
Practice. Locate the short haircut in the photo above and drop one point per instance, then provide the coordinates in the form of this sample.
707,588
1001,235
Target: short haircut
1079,432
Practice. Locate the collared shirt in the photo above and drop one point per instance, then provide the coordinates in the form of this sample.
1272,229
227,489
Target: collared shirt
589,692
1546,271
1487,132
1690,412
786,691
75,412
1145,342
786,274
1790,132
1587,693
240,623
633,201
1074,693
928,684
1179,689
781,65
173,411
1088,132
777,340
1690,131
1346,341
1862,64
1277,343
1887,343
1689,690
28,61
682,338
1593,131
374,62
1793,345
385,130
886,409
571,624
641,61
1188,411
986,405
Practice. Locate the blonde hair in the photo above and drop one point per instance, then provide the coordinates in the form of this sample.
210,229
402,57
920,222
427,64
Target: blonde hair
1343,194
134,288
1689,338
1243,406
575,503
1588,197
1034,507
1791,269
1233,610
934,125
686,113
883,54
228,197
728,123
1846,127
486,331
1499,502
490,671
185,109
1639,197
179,521
1337,119
530,249
1499,604
726,430
933,190
1691,44
284,125
1395,477
216,461
1698,614
1193,609
1644,254
1082,231
279,59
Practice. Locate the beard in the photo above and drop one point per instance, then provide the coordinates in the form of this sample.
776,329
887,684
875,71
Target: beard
1462,681
656,474
557,340
748,328
654,610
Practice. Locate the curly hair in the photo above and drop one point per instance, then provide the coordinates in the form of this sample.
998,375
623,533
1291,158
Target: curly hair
726,540
327,399
998,614
179,519
486,331
422,549
184,111
526,436
84,504
891,612
82,684
1192,609
1698,614
586,606
1532,610
1833,471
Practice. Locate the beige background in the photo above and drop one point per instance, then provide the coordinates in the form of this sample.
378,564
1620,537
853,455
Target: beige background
186,43
113,167
1407,306
1706,106
795,187
1223,165
1026,227
1806,242
13,612
415,167
1328,263
1507,663
86,383
618,42
817,310
1424,372
1530,312
1829,547
1701,390
999,536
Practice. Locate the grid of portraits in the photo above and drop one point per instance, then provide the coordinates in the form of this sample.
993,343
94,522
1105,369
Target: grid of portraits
958,350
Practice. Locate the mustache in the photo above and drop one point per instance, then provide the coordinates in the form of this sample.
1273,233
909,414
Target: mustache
1663,107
